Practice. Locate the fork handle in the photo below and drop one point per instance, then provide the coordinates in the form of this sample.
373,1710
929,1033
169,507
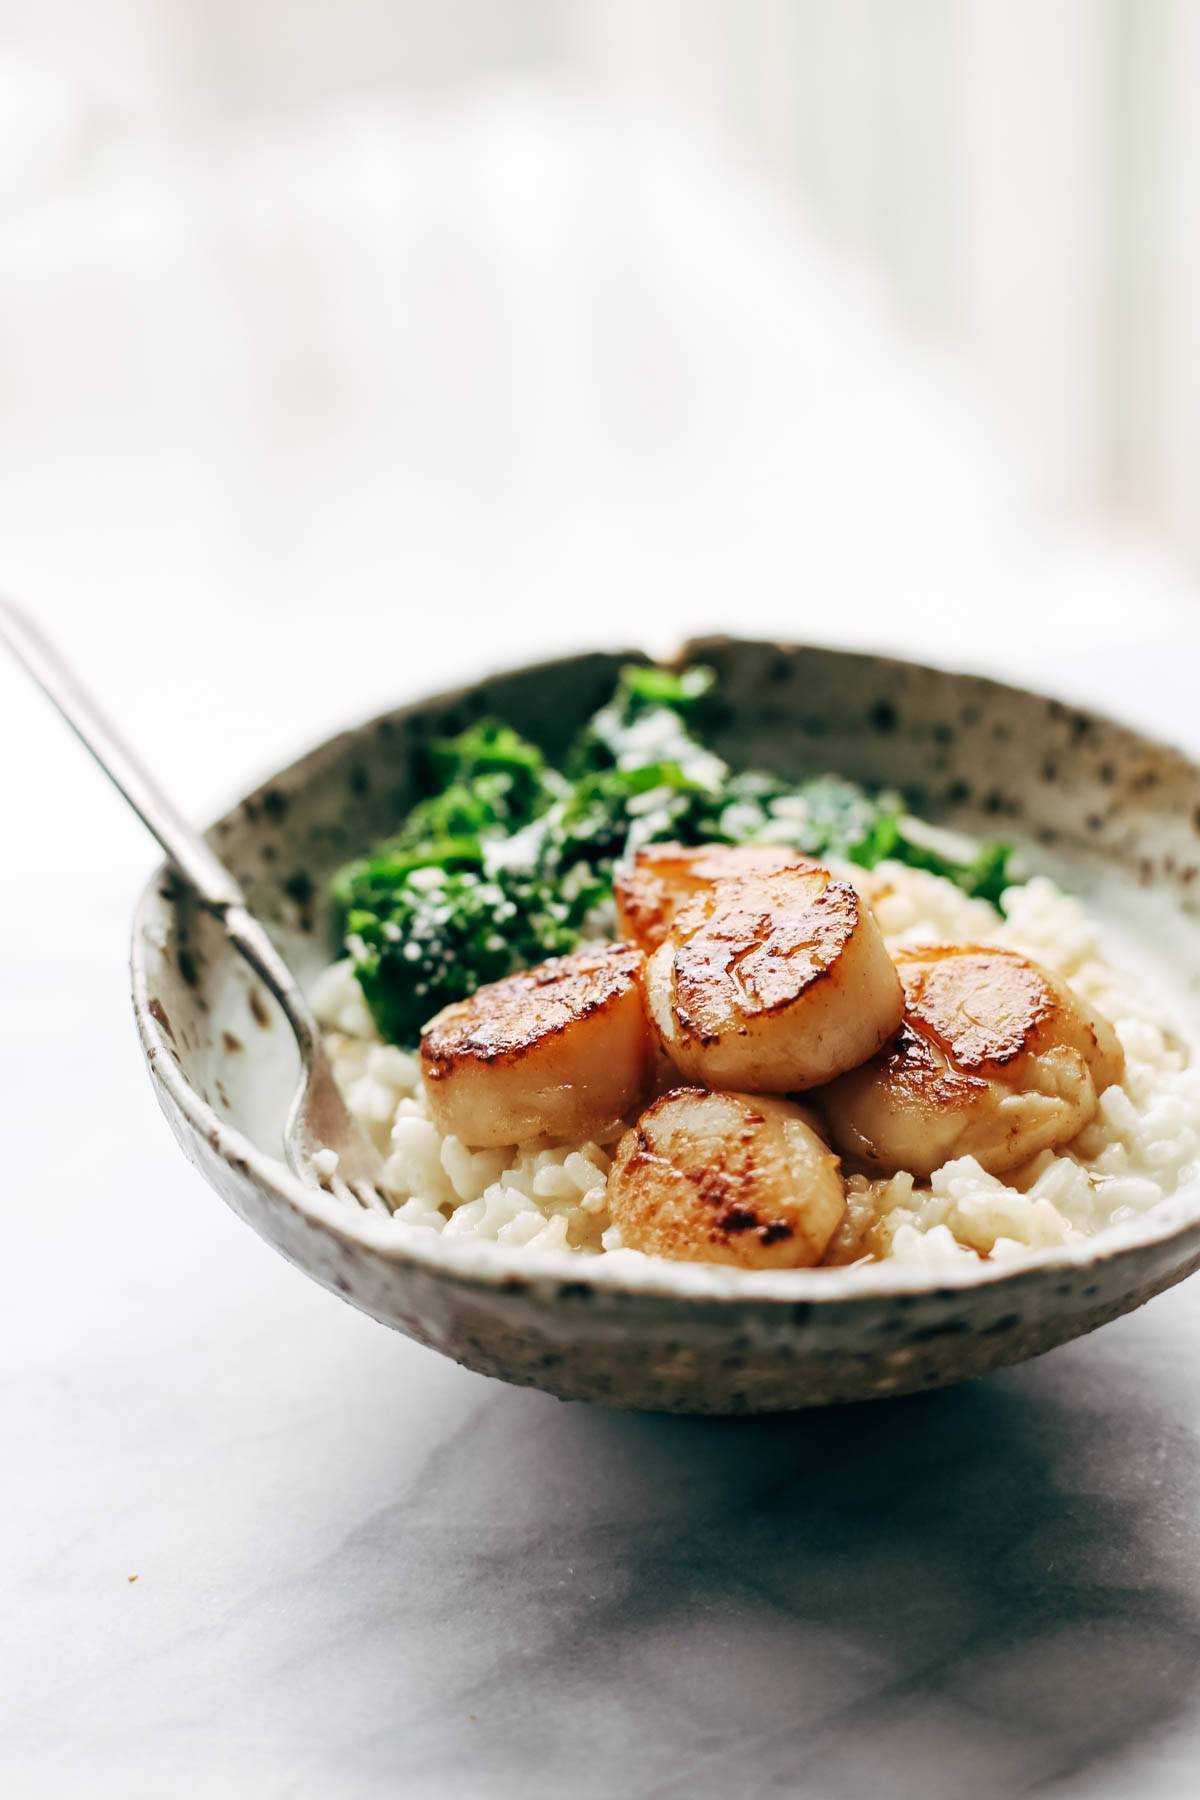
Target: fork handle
203,871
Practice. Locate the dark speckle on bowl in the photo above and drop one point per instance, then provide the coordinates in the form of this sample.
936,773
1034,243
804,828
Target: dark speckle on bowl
158,1013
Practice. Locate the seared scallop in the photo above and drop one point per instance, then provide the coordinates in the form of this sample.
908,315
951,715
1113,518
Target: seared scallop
662,878
562,1051
996,1059
773,983
726,1178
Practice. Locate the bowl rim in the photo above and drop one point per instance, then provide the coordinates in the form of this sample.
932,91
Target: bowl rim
483,1264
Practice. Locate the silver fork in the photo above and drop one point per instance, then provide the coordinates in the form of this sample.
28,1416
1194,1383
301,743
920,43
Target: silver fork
319,1119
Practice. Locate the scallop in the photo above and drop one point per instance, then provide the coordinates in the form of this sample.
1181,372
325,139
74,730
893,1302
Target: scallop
562,1051
662,878
726,1178
773,983
997,1059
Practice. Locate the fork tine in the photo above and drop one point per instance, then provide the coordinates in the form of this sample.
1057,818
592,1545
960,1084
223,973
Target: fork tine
357,1193
338,1188
371,1198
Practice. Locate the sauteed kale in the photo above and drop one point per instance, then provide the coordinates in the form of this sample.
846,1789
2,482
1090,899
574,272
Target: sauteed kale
508,859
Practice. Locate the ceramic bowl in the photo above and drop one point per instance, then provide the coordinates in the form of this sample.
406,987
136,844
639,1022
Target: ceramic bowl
1114,811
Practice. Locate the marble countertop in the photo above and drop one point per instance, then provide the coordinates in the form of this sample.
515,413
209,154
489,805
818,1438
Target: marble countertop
255,1544
252,1543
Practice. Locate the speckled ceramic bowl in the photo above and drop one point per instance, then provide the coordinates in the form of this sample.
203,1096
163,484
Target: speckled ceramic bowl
1117,814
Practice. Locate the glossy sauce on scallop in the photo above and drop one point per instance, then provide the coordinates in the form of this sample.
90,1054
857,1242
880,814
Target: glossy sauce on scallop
563,1050
773,983
996,1059
728,1178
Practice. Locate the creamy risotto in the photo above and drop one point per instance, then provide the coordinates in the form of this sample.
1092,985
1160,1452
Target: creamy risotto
542,1195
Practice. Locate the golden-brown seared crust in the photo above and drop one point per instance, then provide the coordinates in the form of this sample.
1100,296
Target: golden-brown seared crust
774,983
729,1178
722,1184
506,1020
919,1074
564,1051
663,877
996,1059
768,939
985,1007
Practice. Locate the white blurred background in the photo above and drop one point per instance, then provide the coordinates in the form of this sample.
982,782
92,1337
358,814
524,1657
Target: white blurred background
348,344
